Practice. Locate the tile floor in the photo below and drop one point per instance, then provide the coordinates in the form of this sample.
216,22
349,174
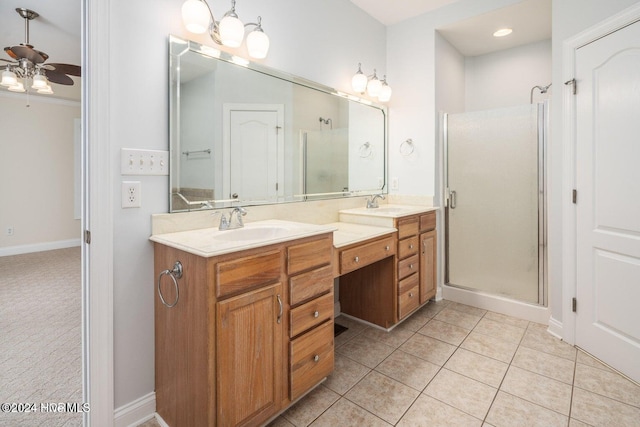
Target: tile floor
454,365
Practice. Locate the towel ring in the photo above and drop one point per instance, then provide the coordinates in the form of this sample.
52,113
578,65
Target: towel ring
407,151
365,150
175,274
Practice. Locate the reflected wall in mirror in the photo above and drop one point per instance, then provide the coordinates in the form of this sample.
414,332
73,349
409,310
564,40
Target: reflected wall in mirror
243,134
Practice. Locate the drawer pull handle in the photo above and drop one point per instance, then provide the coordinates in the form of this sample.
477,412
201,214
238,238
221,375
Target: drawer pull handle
410,294
316,358
410,246
316,314
357,259
411,266
386,248
280,313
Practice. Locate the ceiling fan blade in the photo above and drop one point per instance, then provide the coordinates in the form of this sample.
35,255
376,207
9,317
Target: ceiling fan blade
70,69
59,78
26,51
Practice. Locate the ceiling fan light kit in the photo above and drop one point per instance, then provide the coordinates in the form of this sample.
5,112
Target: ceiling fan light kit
27,65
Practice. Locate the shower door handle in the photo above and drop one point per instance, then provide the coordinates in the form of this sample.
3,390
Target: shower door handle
452,199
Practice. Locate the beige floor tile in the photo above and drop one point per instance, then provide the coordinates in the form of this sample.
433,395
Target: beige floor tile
467,309
427,411
344,413
281,421
596,410
489,346
544,391
345,375
458,318
544,364
395,338
365,350
382,396
417,320
354,329
537,338
446,332
427,348
511,411
507,320
496,329
576,423
587,359
607,384
154,423
463,393
481,368
408,369
311,406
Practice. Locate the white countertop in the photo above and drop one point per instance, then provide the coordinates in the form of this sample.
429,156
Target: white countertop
208,242
347,233
390,210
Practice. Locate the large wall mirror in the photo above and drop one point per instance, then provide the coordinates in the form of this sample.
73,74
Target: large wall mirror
243,134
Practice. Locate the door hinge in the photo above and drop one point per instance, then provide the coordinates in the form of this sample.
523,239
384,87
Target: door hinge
574,84
276,186
574,304
574,196
87,237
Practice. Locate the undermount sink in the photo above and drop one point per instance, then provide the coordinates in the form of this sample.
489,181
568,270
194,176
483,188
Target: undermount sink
253,233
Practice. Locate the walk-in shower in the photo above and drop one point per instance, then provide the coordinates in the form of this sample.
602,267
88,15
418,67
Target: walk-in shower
495,182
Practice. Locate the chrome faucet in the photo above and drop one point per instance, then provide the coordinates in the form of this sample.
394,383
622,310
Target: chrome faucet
373,203
230,224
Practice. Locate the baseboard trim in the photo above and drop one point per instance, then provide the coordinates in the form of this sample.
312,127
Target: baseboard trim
136,412
39,247
498,304
555,328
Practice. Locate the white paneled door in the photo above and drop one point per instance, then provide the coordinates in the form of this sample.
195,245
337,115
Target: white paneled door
608,199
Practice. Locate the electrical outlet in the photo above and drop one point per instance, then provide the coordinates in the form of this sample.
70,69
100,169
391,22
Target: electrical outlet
395,183
10,230
131,194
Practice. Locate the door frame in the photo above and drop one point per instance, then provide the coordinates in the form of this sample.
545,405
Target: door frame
567,329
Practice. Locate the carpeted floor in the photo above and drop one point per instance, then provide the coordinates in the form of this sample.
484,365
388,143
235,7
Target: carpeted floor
40,336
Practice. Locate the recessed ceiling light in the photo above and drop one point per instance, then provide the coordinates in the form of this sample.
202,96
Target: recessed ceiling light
502,32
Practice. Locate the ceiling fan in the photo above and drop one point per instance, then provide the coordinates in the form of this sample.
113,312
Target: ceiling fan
29,64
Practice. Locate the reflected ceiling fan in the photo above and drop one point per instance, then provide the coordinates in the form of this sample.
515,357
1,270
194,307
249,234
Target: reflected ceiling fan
28,64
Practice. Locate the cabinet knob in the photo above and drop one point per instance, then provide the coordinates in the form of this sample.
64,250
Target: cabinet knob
410,246
316,358
357,259
411,266
316,314
386,248
410,294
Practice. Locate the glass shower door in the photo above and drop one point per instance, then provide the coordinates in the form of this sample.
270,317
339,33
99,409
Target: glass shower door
494,187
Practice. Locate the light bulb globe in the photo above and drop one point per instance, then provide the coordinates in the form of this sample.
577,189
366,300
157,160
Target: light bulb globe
231,31
258,44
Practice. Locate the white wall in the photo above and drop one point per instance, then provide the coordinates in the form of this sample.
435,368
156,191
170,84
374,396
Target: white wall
505,78
320,41
37,172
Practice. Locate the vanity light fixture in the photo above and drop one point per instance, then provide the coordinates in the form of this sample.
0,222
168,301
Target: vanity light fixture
502,32
229,31
373,86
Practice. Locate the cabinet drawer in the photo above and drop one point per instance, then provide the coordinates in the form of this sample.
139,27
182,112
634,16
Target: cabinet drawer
354,258
407,247
310,314
428,221
242,274
408,266
311,358
306,286
409,300
407,227
308,255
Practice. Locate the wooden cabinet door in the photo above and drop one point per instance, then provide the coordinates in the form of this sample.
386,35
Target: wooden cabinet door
428,271
249,356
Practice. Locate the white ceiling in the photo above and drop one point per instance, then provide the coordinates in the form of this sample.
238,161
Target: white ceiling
529,19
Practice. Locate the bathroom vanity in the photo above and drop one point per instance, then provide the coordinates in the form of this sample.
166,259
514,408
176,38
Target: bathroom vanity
252,325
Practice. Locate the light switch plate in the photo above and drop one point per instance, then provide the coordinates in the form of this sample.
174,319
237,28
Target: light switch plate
144,162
